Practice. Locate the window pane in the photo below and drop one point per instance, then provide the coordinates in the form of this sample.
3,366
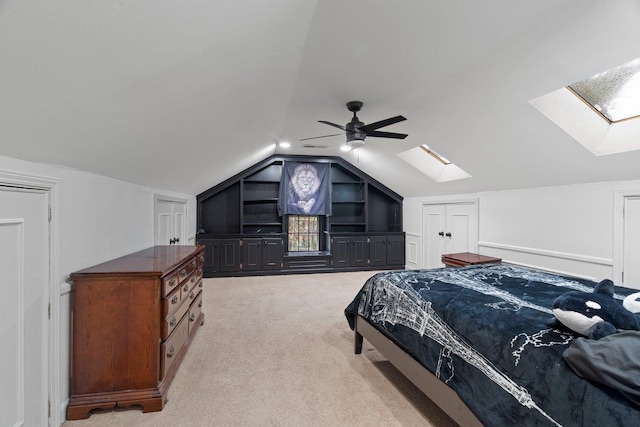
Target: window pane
303,233
615,93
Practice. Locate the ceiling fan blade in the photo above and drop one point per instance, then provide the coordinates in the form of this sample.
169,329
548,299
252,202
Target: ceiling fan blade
382,123
323,136
332,124
379,134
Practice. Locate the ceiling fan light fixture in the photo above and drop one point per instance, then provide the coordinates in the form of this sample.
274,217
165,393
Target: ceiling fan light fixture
355,142
345,147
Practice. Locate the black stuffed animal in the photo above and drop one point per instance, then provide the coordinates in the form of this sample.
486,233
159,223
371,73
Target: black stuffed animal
595,315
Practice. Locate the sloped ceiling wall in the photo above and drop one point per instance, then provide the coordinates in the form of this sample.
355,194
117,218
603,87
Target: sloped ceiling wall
183,95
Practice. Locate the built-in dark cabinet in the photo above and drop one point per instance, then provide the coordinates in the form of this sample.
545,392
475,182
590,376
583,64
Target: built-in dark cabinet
350,251
260,253
239,225
387,250
272,253
221,255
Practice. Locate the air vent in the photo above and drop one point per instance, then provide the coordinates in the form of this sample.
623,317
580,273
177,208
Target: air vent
315,146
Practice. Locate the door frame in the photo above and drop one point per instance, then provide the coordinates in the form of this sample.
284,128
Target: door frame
50,358
619,199
446,201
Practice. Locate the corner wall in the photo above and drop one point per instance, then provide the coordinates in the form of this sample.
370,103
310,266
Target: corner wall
98,219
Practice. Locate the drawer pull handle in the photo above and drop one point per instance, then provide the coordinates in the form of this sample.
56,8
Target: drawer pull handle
172,283
192,317
170,353
174,300
172,322
186,287
200,285
183,272
200,304
193,280
193,263
192,295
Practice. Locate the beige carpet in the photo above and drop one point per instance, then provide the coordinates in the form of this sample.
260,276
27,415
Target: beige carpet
277,351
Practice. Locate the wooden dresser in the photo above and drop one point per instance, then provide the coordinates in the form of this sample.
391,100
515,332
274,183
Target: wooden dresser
132,322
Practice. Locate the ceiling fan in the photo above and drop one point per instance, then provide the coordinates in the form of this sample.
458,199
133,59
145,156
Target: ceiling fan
356,131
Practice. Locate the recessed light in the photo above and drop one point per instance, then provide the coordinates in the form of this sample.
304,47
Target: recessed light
285,144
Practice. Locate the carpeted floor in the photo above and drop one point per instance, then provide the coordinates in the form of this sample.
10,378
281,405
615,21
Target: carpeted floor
277,351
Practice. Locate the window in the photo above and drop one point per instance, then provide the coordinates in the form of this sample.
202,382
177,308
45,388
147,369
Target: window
614,93
433,164
303,233
602,112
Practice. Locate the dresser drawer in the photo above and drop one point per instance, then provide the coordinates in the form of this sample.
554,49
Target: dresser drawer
171,303
171,347
185,288
194,312
171,321
187,268
170,283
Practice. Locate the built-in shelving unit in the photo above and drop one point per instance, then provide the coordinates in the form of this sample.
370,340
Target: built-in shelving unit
348,200
239,225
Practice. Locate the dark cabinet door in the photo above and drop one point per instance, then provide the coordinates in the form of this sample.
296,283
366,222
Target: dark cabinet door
378,250
341,251
272,253
395,250
359,251
251,254
228,255
211,258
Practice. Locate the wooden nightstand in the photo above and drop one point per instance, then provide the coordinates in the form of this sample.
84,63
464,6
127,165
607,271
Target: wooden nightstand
467,258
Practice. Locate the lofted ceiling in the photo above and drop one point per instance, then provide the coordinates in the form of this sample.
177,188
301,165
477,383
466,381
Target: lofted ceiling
181,95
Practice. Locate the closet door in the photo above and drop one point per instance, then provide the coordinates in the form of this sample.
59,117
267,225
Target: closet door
447,228
459,228
170,222
433,239
24,262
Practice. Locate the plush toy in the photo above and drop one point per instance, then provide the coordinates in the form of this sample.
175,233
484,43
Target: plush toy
598,314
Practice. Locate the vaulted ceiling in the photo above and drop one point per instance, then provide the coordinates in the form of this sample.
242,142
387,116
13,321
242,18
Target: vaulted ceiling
181,95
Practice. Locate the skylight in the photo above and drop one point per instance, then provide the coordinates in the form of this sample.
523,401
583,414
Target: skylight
432,164
614,93
437,156
602,112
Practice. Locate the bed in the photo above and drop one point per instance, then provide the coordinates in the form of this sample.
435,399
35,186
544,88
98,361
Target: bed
476,341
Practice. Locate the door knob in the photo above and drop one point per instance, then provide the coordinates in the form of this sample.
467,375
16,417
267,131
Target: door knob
448,234
441,234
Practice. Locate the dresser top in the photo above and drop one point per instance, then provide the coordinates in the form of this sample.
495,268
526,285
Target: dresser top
470,258
156,261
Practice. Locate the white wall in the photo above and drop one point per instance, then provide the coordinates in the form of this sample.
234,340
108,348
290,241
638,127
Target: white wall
568,229
98,219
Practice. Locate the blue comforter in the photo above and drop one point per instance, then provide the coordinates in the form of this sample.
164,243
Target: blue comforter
483,331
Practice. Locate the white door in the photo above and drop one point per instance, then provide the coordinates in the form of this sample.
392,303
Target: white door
460,228
631,244
447,228
24,261
170,222
433,239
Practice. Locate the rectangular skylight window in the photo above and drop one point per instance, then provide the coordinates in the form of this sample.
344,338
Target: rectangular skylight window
437,156
614,93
